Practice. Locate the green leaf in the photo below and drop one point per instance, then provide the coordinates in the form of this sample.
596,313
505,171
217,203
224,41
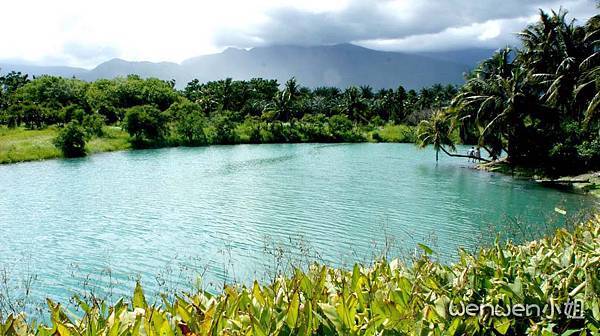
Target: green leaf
502,325
355,277
332,315
292,314
425,248
139,301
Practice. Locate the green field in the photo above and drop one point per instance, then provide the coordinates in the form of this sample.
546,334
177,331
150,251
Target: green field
20,144
393,133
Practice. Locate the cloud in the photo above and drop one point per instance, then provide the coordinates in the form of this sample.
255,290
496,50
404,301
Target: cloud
85,33
401,25
490,34
94,54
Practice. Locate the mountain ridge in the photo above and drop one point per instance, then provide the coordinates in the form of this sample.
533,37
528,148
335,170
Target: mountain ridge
340,65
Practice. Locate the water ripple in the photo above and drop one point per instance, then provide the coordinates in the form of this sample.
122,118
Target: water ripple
154,212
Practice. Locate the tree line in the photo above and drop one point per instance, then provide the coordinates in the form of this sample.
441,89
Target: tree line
228,111
536,105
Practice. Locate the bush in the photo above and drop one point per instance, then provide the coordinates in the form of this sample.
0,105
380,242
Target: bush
146,124
71,140
387,298
342,129
223,130
93,124
190,129
249,131
71,112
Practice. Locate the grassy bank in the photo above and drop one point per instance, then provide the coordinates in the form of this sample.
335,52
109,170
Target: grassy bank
393,133
386,298
20,144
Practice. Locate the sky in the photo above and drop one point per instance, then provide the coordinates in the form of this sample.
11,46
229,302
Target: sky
85,33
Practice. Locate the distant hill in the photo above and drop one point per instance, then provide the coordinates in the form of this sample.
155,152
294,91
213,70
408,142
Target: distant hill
339,65
36,70
469,57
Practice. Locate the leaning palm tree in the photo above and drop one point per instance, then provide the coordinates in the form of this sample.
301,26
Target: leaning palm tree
436,132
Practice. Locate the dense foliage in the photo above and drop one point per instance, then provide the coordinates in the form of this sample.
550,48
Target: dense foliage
220,112
537,104
383,299
71,140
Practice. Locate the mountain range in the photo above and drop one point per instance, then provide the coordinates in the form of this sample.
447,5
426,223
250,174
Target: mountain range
339,65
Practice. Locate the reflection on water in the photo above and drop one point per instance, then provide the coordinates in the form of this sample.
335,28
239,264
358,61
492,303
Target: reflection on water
221,210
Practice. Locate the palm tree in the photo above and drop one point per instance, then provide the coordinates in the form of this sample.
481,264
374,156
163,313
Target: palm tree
500,64
292,89
502,104
588,88
436,132
566,56
282,105
225,94
366,91
353,104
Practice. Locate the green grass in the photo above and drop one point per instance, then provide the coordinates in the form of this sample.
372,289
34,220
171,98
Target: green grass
114,139
20,144
393,133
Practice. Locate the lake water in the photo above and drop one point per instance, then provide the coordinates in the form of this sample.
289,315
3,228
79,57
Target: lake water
111,218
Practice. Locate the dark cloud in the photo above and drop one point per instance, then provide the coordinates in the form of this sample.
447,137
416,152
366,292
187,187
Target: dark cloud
369,20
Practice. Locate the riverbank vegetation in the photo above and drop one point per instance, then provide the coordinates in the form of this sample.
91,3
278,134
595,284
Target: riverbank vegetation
22,144
510,288
155,114
537,105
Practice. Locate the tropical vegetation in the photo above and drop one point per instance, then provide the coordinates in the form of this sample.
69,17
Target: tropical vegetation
423,297
536,105
155,113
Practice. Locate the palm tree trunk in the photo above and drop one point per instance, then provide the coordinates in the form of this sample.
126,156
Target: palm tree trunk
494,157
463,156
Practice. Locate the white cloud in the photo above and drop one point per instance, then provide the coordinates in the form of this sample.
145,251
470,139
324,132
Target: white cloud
86,32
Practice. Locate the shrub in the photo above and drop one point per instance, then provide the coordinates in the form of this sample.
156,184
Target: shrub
190,129
224,130
146,124
396,133
93,124
342,129
71,112
249,131
71,140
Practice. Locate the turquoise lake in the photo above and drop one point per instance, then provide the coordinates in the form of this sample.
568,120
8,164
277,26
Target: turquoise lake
166,215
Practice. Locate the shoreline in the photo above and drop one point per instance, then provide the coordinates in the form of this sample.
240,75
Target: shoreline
22,147
585,183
